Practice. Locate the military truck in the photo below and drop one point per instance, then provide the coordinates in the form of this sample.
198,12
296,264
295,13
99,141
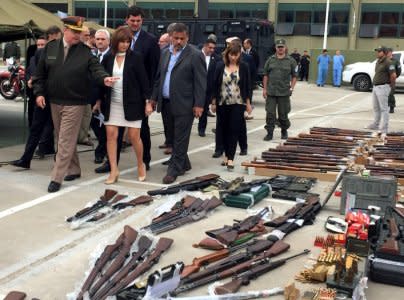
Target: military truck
261,32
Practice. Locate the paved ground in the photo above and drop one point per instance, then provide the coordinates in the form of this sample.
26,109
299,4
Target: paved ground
42,256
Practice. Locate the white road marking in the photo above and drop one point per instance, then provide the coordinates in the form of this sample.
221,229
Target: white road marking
12,210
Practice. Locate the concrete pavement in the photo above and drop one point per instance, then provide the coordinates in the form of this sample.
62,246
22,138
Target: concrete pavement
42,256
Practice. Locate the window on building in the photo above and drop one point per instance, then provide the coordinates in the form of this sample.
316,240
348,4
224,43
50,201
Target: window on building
238,10
381,20
186,13
120,13
157,13
242,13
226,14
93,13
81,12
172,13
309,18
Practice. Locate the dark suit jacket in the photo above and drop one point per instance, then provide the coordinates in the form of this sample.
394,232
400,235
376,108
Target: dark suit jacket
256,57
244,82
214,60
147,45
136,87
187,82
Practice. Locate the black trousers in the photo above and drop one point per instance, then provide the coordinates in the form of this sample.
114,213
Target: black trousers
168,122
100,133
145,137
203,120
304,73
31,105
242,138
230,124
41,124
179,162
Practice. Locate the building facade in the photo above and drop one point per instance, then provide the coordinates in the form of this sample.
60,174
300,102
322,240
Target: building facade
352,24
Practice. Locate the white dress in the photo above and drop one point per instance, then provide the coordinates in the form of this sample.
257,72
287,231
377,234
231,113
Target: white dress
116,114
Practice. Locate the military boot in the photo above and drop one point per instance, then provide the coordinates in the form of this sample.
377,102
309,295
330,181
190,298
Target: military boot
284,134
269,136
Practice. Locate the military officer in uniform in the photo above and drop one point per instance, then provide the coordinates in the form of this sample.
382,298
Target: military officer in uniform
383,82
397,66
280,74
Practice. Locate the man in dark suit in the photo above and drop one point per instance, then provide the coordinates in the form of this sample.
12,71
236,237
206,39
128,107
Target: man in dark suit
180,87
147,45
211,58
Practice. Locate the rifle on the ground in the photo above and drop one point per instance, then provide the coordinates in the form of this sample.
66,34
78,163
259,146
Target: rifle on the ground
229,234
108,254
144,199
230,261
103,201
118,262
277,248
162,245
291,195
261,267
137,257
189,185
253,247
192,210
340,132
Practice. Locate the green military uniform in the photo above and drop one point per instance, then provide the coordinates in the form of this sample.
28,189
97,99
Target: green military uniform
392,99
280,73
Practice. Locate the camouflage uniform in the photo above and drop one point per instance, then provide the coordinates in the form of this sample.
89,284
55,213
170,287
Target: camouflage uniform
280,73
392,99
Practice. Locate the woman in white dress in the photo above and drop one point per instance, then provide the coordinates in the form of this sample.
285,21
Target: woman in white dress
126,103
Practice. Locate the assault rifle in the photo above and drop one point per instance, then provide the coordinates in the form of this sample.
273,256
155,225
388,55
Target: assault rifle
240,186
391,244
253,247
162,245
137,257
193,209
188,185
261,267
278,248
108,254
118,262
340,132
104,201
229,234
291,195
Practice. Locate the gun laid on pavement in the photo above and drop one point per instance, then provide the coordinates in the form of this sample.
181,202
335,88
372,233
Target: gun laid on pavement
277,248
162,245
197,183
260,268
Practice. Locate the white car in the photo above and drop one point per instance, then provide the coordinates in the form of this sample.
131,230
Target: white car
360,74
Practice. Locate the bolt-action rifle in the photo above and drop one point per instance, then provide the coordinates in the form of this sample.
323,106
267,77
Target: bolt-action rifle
162,245
278,248
137,257
261,267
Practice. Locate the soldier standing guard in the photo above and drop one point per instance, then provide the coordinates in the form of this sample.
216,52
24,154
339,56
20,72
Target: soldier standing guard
397,66
280,74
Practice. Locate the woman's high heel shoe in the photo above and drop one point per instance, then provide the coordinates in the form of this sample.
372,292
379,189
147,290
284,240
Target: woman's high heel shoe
142,178
112,179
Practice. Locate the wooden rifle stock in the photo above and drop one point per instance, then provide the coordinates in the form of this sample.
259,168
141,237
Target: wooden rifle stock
15,295
105,256
144,199
162,245
143,246
130,237
391,244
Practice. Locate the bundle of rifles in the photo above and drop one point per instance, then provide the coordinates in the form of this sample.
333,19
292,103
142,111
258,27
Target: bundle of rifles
241,260
322,150
121,263
388,159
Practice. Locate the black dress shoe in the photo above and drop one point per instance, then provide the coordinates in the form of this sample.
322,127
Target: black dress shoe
269,136
243,152
72,177
53,187
217,154
98,160
391,110
202,134
21,163
105,168
168,179
147,166
166,163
